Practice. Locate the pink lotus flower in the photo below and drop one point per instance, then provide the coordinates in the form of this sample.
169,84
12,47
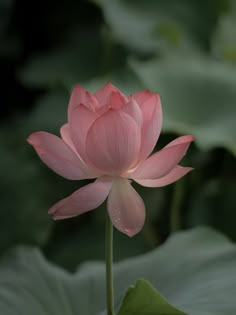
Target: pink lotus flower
109,137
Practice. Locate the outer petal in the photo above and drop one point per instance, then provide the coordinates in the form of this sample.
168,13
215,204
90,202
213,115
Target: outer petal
81,96
152,123
180,140
110,97
113,142
126,208
65,135
80,120
133,110
170,178
141,96
163,161
58,156
83,200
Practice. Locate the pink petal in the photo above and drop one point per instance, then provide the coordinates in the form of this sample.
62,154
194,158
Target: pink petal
81,96
110,97
141,96
179,140
58,156
83,200
163,161
133,110
126,208
113,142
65,135
174,175
152,123
80,120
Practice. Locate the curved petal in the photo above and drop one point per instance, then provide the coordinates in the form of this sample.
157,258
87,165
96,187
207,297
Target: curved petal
81,96
152,123
83,200
65,135
126,208
113,142
110,97
174,175
163,161
58,156
141,96
180,140
133,110
80,120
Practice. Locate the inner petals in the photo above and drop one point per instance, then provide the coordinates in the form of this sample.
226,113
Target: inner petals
65,135
113,142
132,108
141,96
152,123
80,120
110,97
81,96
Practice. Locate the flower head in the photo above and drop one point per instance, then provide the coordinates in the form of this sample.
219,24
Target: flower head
109,137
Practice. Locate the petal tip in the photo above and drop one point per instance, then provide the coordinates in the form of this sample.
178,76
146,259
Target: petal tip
29,140
77,87
130,232
34,138
55,218
51,211
190,138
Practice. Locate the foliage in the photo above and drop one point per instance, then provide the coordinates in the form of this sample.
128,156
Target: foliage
204,266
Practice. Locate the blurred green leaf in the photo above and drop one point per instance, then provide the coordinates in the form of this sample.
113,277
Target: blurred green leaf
143,299
191,269
155,25
49,112
198,97
224,39
23,217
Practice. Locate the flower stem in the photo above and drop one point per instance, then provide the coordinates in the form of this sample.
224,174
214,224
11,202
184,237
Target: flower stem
109,263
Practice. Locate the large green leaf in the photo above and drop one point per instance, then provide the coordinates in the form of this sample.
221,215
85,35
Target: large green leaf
144,299
149,26
198,97
224,39
194,270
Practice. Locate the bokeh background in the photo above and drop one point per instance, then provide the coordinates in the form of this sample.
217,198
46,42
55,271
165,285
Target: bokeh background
185,50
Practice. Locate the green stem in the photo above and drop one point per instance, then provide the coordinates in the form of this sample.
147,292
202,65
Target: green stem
109,263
